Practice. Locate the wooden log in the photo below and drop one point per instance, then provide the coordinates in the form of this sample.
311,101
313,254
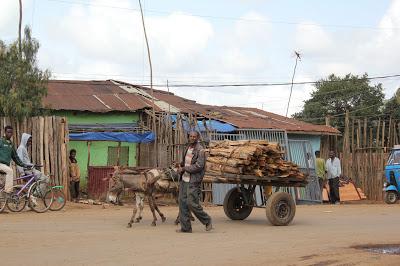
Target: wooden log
64,156
41,141
46,146
55,152
223,168
51,146
34,139
227,161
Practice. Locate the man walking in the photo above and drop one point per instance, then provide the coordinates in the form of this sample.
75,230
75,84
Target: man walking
192,170
320,170
8,153
334,171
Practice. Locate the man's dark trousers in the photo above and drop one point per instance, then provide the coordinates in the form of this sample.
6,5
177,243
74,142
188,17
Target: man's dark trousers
189,200
334,190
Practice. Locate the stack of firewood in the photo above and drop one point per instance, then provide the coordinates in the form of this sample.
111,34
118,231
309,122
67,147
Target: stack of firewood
251,157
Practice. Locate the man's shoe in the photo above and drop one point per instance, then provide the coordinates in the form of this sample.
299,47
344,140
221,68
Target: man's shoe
182,231
209,226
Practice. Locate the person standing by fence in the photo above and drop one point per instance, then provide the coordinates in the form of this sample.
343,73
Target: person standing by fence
74,175
334,171
320,170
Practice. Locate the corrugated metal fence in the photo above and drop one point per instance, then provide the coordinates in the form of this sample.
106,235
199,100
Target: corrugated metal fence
272,135
301,153
97,187
298,151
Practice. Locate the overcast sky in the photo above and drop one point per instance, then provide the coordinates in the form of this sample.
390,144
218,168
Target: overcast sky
213,42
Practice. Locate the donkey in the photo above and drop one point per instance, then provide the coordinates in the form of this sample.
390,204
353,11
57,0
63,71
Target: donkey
144,184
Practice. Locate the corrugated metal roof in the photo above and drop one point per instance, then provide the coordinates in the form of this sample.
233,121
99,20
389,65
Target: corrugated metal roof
94,96
106,96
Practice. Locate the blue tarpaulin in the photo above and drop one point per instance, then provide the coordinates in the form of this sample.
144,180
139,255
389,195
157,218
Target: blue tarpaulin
211,125
114,136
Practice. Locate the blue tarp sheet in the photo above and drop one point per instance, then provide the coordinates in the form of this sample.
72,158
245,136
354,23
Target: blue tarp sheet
211,125
114,136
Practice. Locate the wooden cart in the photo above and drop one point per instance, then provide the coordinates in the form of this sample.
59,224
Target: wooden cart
239,201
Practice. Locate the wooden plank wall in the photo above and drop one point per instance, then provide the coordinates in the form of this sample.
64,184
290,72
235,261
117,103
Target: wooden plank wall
366,144
49,144
171,139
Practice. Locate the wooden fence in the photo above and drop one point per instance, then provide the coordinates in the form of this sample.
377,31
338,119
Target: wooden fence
366,144
49,144
171,139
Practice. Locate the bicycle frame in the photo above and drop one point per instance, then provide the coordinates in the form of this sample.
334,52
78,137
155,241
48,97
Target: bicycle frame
29,183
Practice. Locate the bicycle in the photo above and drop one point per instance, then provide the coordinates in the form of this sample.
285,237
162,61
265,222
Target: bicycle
3,198
58,197
38,194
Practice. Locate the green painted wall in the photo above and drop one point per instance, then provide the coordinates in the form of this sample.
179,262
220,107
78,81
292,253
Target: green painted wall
90,118
98,149
98,154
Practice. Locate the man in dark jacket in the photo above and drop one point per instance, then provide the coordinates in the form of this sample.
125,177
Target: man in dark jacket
8,153
192,171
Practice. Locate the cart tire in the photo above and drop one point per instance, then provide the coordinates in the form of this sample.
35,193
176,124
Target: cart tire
234,206
280,208
391,197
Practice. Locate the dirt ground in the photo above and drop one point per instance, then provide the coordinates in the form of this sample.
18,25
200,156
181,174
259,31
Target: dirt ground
93,235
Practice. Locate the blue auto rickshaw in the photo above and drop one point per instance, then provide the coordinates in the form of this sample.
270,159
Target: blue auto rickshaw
391,187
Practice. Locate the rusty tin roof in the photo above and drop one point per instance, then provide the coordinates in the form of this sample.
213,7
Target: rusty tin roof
109,95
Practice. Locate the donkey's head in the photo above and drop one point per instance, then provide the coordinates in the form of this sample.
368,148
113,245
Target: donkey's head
171,172
117,185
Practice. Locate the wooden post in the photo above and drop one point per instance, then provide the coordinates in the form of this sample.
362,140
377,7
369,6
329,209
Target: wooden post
88,150
390,137
119,153
346,147
41,141
383,135
63,155
327,120
46,146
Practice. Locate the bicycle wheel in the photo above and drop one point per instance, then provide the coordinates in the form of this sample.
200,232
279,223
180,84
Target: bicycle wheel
3,201
58,199
15,202
40,197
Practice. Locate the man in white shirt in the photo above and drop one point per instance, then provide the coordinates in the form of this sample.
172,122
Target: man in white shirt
334,171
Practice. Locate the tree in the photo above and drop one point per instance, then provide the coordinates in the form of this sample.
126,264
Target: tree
22,83
392,106
335,95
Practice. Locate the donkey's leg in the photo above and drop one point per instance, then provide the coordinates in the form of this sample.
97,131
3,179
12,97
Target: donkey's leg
175,194
133,215
139,205
151,204
163,219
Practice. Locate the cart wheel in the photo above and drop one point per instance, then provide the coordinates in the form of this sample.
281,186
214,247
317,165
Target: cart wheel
234,204
280,208
390,197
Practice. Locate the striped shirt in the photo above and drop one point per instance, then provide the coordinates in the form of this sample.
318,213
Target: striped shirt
188,162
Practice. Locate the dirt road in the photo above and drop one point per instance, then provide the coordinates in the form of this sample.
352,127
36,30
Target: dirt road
91,235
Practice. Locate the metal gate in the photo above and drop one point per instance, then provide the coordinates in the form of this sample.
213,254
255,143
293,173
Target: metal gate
97,186
301,153
273,135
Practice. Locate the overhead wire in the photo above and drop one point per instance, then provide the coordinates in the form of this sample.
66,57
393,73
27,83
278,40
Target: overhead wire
264,21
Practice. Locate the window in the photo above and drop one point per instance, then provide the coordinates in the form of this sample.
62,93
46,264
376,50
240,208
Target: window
113,156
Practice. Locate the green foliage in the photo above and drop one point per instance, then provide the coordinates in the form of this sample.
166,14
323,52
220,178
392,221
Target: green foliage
22,83
334,95
392,106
